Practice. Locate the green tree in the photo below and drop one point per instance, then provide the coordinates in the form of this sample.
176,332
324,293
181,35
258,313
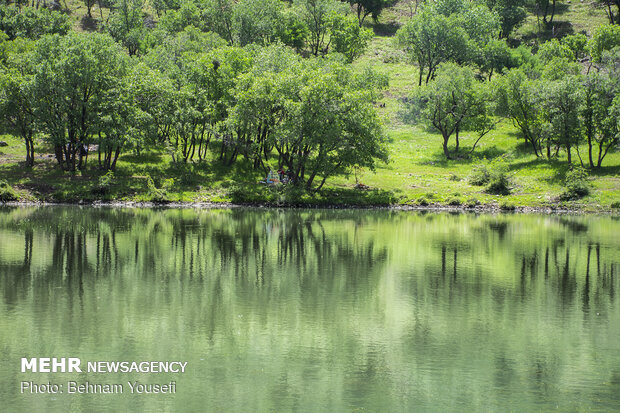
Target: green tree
518,98
553,49
153,97
16,100
605,38
292,31
317,16
373,8
454,102
494,57
256,21
126,25
218,17
330,127
600,116
562,106
348,38
511,13
72,74
32,23
578,44
116,124
430,39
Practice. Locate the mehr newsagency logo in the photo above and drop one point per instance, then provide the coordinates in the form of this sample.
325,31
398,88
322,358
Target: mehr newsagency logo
75,365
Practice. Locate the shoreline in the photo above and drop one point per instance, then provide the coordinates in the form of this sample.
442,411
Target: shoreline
487,209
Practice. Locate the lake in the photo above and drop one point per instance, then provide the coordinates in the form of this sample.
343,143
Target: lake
312,310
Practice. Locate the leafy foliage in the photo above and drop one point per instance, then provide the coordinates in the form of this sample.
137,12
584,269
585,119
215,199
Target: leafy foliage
576,183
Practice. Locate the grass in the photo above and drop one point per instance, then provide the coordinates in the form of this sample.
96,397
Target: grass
417,174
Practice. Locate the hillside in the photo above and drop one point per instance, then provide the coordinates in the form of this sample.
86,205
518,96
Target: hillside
417,172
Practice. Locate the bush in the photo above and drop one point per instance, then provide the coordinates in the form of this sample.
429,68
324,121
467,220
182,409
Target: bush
472,203
495,176
499,183
615,205
480,175
159,194
422,201
576,184
506,206
7,193
104,184
454,201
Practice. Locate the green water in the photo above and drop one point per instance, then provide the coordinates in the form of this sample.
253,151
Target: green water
333,311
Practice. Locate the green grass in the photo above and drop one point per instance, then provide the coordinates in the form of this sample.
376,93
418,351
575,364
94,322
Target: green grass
417,170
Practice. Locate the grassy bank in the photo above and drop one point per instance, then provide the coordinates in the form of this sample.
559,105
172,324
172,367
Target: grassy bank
417,174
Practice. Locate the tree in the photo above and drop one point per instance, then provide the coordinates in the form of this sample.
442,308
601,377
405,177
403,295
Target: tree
218,17
518,99
256,21
511,13
71,75
329,127
116,125
162,6
16,103
605,38
562,105
614,18
430,39
348,38
317,16
455,101
153,97
553,49
89,5
495,56
547,9
32,23
373,8
126,24
600,111
578,44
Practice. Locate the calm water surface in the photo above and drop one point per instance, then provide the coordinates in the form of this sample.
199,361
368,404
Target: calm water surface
332,311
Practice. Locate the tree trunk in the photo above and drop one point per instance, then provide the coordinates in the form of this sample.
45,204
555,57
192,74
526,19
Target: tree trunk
446,152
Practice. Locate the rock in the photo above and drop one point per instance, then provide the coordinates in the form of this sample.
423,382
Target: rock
3,143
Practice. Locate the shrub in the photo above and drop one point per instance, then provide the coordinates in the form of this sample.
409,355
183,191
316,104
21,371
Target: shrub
422,201
472,203
499,183
454,201
480,175
159,194
495,176
104,184
506,206
454,177
7,193
576,184
615,205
